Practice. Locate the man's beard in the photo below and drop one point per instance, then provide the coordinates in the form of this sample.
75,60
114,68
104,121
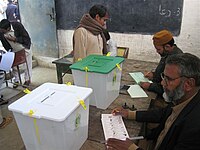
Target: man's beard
165,53
175,95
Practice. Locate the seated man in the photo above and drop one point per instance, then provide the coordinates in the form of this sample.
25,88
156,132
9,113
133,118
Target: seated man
164,43
179,123
88,38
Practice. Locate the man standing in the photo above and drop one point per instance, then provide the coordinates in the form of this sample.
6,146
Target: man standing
164,44
179,123
88,38
12,12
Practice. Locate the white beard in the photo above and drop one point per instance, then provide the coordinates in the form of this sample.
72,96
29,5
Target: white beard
166,98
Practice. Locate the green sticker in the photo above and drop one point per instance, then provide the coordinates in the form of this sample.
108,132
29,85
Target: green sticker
77,121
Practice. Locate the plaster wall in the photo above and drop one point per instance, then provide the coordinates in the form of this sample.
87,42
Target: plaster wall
141,47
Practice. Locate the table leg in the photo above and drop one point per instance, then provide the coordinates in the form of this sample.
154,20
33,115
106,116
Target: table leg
59,74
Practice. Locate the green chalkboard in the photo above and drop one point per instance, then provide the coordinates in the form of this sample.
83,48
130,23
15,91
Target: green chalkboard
126,16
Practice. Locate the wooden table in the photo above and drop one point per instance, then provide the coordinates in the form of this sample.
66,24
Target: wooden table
62,67
96,135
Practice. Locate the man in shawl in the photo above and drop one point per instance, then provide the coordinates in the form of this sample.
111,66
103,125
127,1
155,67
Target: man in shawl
88,37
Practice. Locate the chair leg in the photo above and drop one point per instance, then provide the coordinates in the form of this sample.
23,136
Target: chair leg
20,80
6,79
6,83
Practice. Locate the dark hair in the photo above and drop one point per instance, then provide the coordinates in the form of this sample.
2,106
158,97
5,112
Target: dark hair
5,24
98,9
188,64
171,42
10,1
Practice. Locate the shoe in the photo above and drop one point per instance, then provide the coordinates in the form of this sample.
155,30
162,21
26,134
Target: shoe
6,121
15,84
26,83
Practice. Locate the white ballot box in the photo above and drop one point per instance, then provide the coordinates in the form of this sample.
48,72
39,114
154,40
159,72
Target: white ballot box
53,117
102,74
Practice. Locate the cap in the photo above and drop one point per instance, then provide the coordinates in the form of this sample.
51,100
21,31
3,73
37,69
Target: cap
162,37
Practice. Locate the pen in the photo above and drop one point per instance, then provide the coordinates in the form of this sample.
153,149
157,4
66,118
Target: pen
147,73
152,70
137,138
131,138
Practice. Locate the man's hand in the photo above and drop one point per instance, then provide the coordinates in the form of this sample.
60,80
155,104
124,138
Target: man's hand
10,38
148,75
145,85
120,111
115,144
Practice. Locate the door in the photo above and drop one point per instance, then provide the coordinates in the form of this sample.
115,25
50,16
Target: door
39,18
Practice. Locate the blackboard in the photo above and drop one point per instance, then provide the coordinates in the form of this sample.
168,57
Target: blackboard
126,16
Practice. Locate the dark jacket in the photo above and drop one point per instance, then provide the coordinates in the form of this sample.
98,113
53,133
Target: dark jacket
184,134
156,85
21,34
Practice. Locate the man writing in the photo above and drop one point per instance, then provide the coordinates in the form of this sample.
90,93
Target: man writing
88,38
164,44
179,123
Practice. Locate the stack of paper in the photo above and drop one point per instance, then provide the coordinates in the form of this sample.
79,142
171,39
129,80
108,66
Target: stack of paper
136,91
139,77
113,127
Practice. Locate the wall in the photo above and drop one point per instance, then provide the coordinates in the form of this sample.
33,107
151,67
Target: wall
141,47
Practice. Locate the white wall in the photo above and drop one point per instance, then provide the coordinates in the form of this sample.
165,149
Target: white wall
141,47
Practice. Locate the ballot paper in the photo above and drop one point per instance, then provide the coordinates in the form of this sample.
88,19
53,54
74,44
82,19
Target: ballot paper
113,127
139,77
136,91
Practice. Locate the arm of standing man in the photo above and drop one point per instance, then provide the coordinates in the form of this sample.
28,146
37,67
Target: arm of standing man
79,44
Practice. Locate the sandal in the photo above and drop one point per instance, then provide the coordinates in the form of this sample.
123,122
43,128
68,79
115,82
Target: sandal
5,122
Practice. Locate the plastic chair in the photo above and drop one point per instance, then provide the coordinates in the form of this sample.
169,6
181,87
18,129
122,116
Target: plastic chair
122,52
20,58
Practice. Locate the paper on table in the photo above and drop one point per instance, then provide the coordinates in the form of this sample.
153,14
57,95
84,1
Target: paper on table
113,127
136,91
139,77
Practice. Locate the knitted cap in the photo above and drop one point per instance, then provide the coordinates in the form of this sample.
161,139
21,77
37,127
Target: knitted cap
162,37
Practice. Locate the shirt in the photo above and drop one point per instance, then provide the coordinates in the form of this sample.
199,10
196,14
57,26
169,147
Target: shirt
86,43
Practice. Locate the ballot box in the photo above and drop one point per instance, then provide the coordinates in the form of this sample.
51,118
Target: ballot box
102,74
53,117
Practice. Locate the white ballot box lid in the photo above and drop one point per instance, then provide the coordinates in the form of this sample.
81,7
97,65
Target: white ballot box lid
51,101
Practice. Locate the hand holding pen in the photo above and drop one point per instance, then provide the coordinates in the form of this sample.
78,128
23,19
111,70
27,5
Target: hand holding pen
149,75
120,111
